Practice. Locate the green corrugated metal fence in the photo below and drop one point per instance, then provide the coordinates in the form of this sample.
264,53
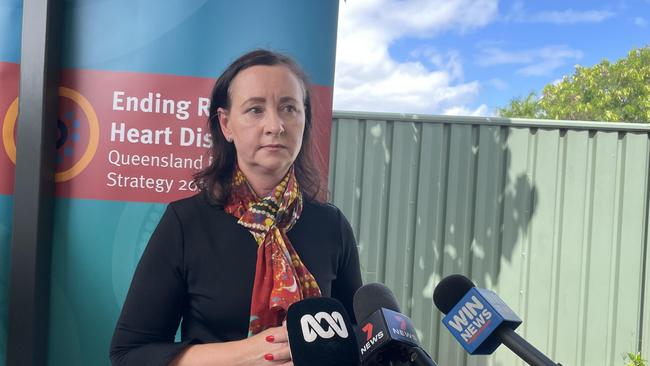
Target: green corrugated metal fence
552,215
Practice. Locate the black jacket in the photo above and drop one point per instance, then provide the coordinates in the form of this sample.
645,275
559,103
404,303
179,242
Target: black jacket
199,266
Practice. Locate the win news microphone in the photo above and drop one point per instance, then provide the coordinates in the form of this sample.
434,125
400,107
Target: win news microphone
321,334
480,321
385,335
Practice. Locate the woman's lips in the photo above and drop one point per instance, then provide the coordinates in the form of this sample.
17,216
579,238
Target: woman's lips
273,147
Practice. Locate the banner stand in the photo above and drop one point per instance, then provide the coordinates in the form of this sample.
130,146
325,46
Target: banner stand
31,245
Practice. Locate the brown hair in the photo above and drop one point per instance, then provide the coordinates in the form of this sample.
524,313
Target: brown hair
215,180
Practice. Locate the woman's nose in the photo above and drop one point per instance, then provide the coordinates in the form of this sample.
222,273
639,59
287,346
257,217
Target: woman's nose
274,124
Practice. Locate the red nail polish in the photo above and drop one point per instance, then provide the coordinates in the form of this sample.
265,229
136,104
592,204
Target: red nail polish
270,338
268,357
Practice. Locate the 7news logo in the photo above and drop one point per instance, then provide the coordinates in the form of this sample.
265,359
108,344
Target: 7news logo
403,329
371,339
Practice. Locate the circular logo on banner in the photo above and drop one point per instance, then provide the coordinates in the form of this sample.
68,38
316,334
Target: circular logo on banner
77,134
8,130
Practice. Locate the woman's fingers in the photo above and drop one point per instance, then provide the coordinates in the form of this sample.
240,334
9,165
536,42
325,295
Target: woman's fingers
276,351
279,355
281,336
283,354
277,335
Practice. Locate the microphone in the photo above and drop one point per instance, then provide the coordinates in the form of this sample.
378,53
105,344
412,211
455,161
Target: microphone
480,321
321,334
385,334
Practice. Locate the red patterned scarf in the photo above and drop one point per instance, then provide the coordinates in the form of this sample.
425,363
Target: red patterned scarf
280,276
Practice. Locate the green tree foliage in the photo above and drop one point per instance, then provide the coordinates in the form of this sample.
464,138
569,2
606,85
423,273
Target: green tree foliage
634,359
609,92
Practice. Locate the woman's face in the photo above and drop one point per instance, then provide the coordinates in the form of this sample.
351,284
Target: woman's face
266,119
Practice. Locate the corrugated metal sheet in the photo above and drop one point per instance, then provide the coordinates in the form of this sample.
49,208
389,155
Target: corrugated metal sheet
551,215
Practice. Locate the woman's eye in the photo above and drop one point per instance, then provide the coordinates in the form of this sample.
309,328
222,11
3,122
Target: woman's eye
289,108
255,110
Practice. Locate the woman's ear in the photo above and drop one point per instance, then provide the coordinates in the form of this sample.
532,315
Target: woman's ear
222,115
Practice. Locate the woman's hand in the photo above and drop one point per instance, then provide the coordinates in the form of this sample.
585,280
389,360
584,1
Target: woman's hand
267,348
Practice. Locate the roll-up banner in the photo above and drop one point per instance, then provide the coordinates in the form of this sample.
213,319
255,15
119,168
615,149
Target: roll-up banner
10,29
133,101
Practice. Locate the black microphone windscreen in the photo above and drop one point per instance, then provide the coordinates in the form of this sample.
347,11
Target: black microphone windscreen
450,290
321,334
371,297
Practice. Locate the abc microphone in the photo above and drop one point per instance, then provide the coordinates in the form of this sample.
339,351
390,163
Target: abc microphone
321,334
480,321
385,335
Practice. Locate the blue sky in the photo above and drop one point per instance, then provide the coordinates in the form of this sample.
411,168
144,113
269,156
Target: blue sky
468,57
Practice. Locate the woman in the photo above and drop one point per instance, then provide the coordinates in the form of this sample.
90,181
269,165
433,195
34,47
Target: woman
230,260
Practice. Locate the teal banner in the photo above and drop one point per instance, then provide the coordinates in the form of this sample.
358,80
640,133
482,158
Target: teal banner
111,188
97,247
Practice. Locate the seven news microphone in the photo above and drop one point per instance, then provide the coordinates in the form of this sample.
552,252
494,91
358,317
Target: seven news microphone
481,321
385,335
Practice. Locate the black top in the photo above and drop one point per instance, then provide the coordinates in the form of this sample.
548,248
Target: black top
199,265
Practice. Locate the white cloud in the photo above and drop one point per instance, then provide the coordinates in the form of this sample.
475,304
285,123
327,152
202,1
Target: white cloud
558,81
537,61
450,61
498,84
369,79
640,22
482,110
571,16
518,13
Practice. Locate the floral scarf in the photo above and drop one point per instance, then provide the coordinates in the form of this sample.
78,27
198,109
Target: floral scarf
280,276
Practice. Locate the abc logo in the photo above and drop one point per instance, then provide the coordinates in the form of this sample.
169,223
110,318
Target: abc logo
311,326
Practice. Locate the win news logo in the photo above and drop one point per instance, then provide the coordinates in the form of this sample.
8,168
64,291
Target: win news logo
471,320
476,316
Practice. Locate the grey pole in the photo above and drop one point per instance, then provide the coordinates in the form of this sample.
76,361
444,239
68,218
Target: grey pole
34,183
